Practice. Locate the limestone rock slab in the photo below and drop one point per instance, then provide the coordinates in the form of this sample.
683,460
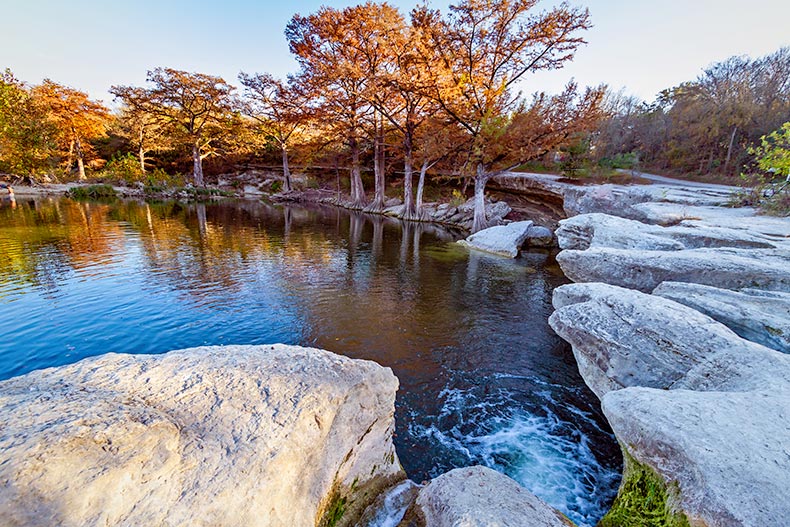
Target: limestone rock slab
727,453
603,230
759,316
236,435
621,338
644,270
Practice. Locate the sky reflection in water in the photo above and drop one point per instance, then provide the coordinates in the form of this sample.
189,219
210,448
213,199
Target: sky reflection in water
483,378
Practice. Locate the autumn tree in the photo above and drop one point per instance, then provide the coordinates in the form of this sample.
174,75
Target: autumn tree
27,138
336,50
198,110
279,109
139,123
77,118
479,53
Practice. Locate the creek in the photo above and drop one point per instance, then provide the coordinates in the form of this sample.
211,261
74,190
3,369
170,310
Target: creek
483,379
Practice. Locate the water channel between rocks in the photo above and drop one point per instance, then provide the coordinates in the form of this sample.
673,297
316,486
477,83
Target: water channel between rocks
483,379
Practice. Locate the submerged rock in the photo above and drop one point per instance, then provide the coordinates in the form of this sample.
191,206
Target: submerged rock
759,316
539,236
481,497
502,240
644,270
623,338
724,455
234,435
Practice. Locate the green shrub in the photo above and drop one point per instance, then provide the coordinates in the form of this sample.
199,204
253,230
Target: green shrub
92,192
457,198
769,194
277,186
123,169
626,161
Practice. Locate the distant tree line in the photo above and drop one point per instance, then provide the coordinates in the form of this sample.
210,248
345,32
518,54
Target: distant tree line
430,91
703,127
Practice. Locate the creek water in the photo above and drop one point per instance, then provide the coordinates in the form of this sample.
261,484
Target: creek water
483,379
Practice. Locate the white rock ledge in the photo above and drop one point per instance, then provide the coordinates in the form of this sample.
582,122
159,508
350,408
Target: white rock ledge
502,240
216,436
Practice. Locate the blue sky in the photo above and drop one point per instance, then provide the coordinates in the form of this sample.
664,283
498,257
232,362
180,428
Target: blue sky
644,46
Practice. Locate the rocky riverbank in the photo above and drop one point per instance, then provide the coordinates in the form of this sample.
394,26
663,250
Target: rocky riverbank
679,323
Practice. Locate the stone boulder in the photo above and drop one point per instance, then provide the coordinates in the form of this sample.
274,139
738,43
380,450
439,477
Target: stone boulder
623,338
481,497
767,269
236,435
725,455
759,316
502,240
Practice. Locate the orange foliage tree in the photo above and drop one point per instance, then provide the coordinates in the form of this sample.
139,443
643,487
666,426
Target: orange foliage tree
77,119
198,109
478,54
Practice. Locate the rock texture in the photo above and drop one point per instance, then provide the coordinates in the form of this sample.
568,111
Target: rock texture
644,270
236,435
502,240
623,338
481,497
759,316
727,453
601,230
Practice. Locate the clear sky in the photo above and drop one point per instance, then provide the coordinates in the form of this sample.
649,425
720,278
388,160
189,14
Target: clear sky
644,46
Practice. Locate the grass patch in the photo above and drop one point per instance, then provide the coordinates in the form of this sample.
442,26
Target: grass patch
644,500
335,512
92,192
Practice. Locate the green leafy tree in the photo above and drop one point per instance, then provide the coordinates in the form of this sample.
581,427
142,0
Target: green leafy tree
773,153
27,138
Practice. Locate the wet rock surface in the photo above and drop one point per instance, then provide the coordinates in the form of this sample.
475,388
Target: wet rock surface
481,497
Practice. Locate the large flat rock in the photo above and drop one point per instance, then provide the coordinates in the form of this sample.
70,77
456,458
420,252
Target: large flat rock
603,230
502,240
644,270
220,436
481,497
621,338
726,453
759,316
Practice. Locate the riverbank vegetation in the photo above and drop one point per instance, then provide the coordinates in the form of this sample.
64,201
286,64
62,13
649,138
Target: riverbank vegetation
382,99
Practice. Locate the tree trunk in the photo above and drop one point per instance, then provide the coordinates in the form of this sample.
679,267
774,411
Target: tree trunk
421,186
408,194
80,159
480,221
286,171
70,159
729,149
357,190
378,166
197,165
141,151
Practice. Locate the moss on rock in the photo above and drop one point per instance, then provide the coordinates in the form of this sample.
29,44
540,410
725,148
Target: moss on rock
644,500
